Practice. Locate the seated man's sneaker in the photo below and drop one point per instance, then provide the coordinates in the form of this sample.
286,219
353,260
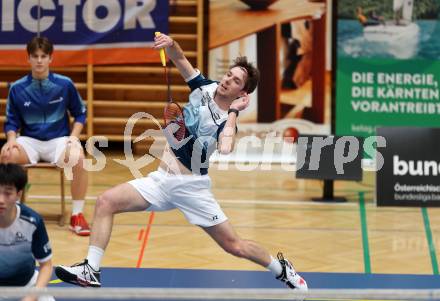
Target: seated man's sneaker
289,276
78,225
81,274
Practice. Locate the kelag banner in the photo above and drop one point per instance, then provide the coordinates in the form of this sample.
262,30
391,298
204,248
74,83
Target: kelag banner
410,174
83,31
387,64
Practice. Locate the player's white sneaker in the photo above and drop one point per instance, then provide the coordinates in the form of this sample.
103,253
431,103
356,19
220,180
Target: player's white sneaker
81,274
289,276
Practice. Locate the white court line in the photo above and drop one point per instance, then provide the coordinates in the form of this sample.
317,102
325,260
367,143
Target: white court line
288,203
30,196
247,202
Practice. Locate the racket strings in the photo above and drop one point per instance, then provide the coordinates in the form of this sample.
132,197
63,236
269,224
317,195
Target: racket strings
174,115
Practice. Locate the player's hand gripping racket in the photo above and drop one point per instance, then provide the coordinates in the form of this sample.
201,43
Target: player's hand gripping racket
173,114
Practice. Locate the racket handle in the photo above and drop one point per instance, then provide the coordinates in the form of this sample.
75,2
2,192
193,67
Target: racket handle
161,51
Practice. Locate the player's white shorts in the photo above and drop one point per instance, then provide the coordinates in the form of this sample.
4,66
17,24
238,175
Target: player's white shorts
191,194
38,150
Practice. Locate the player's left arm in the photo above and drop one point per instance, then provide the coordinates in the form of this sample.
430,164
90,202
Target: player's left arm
77,109
43,278
43,254
226,138
76,129
45,274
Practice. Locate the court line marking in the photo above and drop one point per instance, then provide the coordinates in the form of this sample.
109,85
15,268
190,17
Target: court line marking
365,244
292,203
145,241
431,243
235,201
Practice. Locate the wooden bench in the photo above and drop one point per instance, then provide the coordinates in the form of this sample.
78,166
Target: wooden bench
42,165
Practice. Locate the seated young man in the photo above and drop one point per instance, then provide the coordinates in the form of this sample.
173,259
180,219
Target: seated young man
38,109
23,236
182,181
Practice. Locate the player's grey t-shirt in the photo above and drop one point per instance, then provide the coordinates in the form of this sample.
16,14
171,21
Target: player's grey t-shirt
23,242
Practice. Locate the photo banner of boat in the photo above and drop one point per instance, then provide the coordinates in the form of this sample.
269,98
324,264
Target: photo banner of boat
387,66
393,34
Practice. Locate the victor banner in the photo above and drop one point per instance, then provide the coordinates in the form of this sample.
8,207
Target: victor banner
83,31
387,65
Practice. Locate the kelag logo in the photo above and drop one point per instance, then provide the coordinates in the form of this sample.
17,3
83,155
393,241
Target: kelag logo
83,22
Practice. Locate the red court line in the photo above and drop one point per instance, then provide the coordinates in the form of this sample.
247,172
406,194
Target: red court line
144,243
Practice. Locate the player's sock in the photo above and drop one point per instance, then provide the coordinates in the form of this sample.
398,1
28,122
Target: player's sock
77,206
275,267
94,257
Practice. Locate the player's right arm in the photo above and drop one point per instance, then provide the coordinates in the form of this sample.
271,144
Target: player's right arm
175,53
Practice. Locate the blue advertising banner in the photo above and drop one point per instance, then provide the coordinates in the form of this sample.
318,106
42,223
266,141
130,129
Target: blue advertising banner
78,25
